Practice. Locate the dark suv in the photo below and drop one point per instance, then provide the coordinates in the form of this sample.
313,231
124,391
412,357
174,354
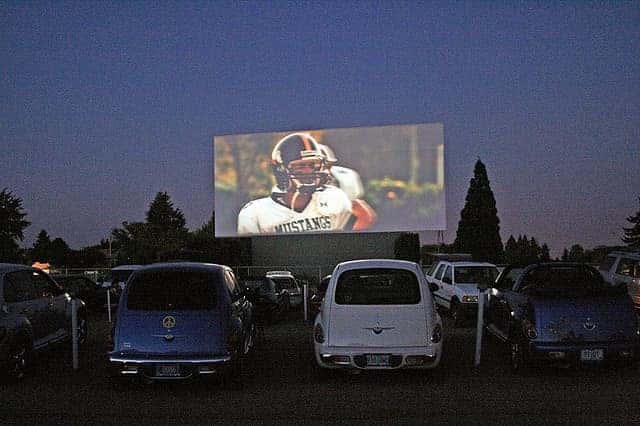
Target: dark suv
34,314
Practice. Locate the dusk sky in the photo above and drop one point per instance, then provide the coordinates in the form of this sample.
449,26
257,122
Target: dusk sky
105,104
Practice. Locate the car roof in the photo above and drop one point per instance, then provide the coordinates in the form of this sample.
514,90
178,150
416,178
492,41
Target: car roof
126,267
376,263
11,267
183,265
467,263
632,254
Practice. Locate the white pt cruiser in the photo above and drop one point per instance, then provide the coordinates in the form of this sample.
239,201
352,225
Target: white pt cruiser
378,314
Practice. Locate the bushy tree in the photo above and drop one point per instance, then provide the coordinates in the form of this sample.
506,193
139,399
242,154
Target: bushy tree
479,227
632,234
163,234
41,250
575,254
12,226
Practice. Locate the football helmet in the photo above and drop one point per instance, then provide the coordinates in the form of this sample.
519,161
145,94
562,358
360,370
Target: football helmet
298,160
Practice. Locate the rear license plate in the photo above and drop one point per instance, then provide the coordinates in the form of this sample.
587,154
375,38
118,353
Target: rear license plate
378,360
167,370
591,355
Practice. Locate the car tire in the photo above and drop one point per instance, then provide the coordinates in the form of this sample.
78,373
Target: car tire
455,313
20,357
83,329
286,304
232,375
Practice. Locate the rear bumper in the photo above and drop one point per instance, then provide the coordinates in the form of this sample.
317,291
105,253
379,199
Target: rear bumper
181,367
573,353
419,357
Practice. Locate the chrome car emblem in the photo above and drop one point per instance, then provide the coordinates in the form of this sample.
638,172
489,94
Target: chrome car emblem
589,325
169,322
169,337
378,329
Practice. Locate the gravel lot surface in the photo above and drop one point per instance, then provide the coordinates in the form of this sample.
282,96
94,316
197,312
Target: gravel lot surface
282,384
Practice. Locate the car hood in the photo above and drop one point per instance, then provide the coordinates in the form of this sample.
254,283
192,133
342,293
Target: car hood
587,319
194,332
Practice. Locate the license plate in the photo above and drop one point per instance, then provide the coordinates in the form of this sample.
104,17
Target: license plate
378,360
591,355
167,370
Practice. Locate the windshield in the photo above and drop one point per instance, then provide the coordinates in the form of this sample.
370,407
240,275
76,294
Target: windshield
563,279
118,276
475,274
173,290
284,282
263,285
379,286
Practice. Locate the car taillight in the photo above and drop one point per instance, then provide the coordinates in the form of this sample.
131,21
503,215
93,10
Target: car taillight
436,334
318,334
529,329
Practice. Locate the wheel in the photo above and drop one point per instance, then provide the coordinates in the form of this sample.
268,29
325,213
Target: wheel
456,314
83,330
232,375
19,360
249,341
286,304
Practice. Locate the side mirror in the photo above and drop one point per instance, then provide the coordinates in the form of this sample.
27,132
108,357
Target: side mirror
433,287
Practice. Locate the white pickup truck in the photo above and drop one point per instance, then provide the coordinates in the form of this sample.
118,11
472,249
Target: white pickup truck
623,268
457,283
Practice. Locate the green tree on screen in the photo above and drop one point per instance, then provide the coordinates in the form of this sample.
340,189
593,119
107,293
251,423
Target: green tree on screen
632,234
12,226
479,227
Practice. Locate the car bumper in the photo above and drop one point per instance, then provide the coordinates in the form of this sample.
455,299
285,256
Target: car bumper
420,357
584,353
167,367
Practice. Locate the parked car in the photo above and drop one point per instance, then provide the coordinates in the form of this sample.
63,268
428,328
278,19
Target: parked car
315,302
562,312
116,279
182,320
35,314
623,267
457,283
377,314
87,290
288,286
268,303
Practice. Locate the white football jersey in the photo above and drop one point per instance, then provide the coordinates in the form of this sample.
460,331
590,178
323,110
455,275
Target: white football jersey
328,210
349,181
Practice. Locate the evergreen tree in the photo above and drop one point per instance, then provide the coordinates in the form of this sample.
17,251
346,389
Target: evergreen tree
479,227
12,226
41,250
163,216
632,234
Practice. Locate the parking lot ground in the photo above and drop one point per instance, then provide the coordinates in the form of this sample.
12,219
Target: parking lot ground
282,384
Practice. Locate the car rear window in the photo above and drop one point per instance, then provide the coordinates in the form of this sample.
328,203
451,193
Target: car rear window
377,286
173,290
475,274
563,279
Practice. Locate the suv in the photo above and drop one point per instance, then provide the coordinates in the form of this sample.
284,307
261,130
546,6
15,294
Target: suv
288,287
35,313
620,267
457,283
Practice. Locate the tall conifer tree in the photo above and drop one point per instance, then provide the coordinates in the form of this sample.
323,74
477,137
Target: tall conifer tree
479,227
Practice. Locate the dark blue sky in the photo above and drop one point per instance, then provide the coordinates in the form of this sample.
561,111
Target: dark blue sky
103,104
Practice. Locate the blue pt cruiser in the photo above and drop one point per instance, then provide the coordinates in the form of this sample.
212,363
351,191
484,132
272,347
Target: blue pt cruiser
181,320
562,312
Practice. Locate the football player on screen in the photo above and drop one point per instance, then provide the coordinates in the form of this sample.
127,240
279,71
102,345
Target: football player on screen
303,199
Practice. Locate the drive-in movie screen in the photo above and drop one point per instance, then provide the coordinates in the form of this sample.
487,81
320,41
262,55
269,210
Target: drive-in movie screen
366,179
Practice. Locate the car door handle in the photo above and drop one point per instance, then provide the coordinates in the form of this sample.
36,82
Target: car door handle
26,311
